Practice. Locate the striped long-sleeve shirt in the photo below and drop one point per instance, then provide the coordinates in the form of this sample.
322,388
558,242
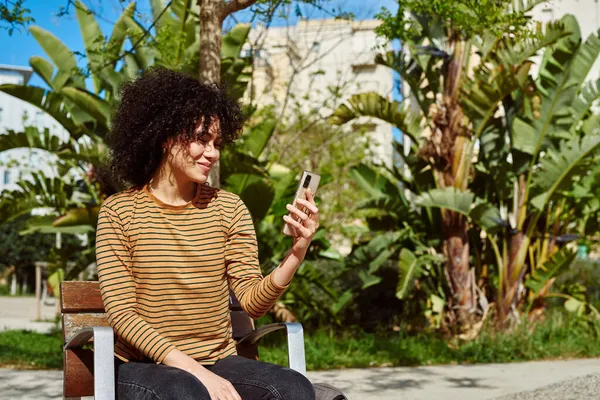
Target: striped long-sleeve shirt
165,273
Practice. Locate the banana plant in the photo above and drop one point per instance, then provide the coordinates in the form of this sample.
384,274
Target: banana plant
492,137
550,151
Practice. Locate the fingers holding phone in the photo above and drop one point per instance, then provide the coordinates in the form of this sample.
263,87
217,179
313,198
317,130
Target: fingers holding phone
303,219
303,210
304,215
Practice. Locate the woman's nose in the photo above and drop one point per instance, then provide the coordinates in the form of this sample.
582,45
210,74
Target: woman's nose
210,150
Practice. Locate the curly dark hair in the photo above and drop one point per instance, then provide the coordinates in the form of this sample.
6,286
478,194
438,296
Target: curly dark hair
160,105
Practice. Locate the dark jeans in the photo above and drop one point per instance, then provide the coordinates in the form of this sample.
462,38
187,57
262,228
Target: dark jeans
253,380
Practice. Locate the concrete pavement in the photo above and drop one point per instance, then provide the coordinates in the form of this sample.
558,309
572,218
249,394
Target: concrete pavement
19,313
583,388
464,382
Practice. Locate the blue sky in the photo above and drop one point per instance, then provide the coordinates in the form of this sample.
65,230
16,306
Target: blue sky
18,48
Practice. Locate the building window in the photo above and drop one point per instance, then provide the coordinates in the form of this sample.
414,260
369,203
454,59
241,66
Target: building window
6,177
1,114
316,47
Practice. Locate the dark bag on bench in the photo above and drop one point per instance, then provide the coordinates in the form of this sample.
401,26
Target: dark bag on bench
324,391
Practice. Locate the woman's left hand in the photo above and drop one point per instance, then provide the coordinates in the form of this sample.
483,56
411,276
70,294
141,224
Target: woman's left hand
305,225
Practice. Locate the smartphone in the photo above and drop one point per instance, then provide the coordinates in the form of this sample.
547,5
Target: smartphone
309,180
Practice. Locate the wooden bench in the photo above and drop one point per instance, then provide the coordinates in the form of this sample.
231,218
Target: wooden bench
91,373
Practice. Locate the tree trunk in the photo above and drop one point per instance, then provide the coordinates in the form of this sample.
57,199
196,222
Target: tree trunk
210,56
210,40
455,166
456,250
212,15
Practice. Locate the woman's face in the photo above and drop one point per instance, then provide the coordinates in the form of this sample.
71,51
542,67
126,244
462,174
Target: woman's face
195,160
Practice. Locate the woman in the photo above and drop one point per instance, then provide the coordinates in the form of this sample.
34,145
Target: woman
170,248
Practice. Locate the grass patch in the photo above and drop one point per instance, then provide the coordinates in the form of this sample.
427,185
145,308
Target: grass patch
31,350
559,337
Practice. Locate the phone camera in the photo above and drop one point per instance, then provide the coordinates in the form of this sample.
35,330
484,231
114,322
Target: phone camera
306,181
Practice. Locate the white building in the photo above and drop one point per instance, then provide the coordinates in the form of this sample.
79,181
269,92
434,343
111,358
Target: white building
15,114
587,13
304,62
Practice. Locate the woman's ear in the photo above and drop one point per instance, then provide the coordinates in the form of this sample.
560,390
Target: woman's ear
166,145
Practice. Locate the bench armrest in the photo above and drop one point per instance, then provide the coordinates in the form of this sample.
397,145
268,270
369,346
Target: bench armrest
295,338
104,365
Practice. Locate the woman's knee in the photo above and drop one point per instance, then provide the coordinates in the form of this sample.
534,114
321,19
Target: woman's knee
295,386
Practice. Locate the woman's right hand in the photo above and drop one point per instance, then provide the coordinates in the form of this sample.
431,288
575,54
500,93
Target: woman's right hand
218,388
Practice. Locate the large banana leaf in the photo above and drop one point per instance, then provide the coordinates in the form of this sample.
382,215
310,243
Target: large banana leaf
591,126
584,102
93,40
110,77
119,33
236,162
167,18
558,165
255,138
411,267
562,73
50,102
517,50
60,55
234,69
41,191
465,203
93,105
45,227
87,216
373,181
256,192
44,69
144,56
16,203
540,277
371,256
506,71
374,105
483,95
586,56
31,137
234,40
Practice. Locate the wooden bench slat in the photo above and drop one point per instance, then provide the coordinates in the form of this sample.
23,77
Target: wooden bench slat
78,370
73,323
81,297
